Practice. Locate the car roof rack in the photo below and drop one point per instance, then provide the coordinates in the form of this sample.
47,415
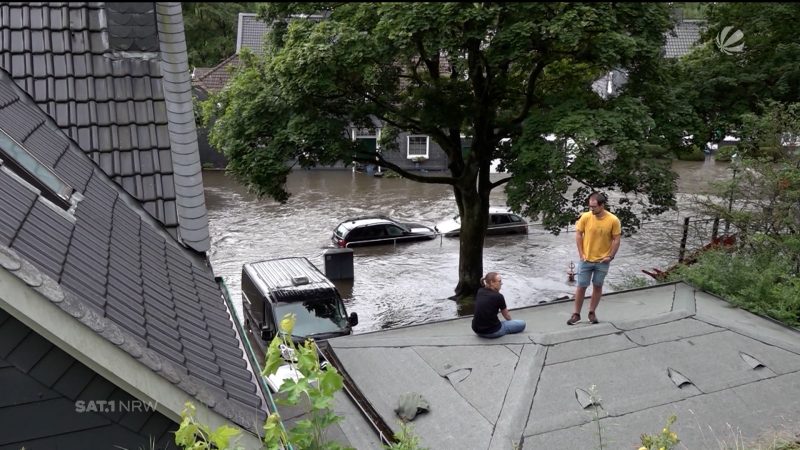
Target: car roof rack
373,216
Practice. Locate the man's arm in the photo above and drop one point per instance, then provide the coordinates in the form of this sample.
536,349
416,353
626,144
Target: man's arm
614,247
579,242
505,313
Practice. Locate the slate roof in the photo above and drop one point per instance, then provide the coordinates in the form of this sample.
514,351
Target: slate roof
115,78
668,349
251,33
683,37
215,78
116,269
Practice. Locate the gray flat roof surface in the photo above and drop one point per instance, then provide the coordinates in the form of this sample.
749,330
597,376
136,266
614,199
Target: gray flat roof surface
725,373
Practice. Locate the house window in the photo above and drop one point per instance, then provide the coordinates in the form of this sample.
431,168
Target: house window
25,165
418,147
364,132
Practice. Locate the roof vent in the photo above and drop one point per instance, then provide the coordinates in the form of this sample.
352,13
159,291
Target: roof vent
752,362
299,281
678,378
586,399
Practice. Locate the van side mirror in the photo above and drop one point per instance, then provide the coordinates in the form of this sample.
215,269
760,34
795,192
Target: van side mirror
353,320
267,333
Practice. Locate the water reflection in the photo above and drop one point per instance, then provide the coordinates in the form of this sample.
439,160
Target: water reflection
411,283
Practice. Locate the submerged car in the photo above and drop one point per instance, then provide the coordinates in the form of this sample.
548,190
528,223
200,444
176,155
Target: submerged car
501,221
273,288
378,230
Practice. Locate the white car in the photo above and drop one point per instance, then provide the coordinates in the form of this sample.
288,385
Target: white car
501,221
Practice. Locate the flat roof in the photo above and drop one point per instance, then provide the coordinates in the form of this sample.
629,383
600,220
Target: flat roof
668,349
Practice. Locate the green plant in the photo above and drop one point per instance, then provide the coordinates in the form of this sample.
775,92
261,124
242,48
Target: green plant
405,439
192,435
312,382
665,440
758,279
595,399
630,281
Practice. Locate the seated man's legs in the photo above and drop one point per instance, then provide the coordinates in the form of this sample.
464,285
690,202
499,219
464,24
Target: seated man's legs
506,327
513,326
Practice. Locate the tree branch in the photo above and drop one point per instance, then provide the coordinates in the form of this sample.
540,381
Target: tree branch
529,93
404,173
500,182
433,66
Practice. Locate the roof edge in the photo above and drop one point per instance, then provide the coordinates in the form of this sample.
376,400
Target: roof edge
42,305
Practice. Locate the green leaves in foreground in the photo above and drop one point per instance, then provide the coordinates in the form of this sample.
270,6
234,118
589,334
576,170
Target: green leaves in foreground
192,435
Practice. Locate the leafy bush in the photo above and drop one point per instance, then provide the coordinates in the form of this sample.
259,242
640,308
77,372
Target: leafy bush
759,281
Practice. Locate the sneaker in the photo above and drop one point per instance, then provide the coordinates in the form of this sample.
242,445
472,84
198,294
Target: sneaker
574,319
592,317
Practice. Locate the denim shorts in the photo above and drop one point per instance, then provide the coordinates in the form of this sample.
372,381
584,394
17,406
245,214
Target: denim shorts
592,271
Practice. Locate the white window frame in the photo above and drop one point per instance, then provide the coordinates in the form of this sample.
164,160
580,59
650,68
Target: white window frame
427,146
366,133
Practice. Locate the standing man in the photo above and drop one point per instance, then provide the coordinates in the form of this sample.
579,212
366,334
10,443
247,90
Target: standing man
597,236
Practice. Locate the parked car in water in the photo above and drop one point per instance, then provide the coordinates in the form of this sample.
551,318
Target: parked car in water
501,221
378,230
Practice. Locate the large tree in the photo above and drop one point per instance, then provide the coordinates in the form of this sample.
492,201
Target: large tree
721,87
515,78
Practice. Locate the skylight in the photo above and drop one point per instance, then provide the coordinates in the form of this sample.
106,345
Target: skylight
34,171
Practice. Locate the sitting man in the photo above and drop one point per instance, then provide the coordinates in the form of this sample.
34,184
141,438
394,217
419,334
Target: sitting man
488,302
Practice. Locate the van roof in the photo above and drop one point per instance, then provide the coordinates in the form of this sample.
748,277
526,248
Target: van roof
286,274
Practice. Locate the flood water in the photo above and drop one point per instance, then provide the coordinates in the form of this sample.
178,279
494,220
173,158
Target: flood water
410,283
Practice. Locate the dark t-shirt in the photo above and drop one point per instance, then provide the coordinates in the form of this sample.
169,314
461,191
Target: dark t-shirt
487,304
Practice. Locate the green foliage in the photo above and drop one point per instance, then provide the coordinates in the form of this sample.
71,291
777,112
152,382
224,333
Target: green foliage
631,281
192,435
313,385
666,440
211,30
691,153
759,280
720,88
762,203
405,439
498,73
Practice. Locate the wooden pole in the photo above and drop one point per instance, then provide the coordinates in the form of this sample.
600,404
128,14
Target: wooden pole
683,239
715,229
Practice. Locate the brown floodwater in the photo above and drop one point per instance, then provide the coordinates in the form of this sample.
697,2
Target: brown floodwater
410,283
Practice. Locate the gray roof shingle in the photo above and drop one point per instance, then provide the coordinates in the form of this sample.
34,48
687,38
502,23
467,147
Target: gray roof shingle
115,78
251,33
118,271
683,37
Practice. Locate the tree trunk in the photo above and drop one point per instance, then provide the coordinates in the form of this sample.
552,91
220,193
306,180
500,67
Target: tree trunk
474,212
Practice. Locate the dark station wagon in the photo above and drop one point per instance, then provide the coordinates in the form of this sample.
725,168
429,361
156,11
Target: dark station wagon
378,230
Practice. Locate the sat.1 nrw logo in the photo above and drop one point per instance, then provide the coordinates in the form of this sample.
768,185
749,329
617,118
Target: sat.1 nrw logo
730,43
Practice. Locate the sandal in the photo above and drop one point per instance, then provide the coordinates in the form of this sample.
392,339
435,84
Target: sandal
592,317
574,319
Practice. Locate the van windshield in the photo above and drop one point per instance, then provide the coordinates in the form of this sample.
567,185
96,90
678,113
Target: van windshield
315,316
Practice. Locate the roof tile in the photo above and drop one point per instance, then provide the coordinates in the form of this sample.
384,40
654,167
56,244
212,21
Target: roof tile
101,258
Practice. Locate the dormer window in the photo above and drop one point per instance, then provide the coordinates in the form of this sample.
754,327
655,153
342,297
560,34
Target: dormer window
30,169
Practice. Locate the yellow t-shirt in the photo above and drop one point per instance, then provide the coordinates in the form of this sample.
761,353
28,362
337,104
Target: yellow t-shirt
598,234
